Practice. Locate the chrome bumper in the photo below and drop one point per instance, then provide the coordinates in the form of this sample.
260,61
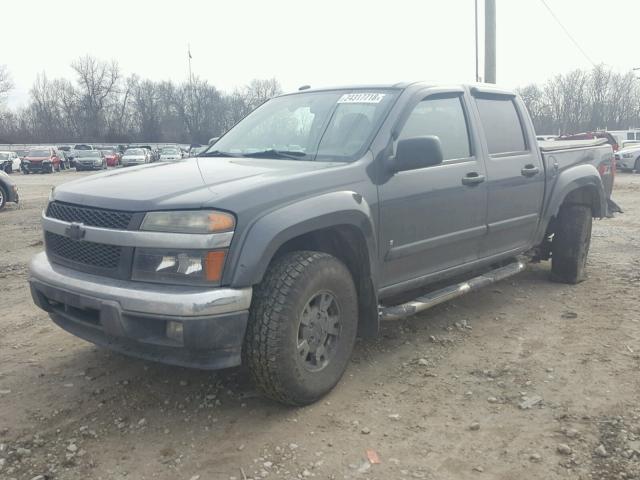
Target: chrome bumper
140,297
133,317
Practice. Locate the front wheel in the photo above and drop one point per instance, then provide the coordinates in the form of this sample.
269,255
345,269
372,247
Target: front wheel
570,244
637,165
302,327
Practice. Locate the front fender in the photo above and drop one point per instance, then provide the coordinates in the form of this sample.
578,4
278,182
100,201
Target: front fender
271,231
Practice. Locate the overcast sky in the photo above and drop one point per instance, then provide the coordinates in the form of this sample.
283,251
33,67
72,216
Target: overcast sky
319,42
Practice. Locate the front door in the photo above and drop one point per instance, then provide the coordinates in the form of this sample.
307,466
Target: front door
433,218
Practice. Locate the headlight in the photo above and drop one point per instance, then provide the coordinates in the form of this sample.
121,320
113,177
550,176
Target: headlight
178,267
195,221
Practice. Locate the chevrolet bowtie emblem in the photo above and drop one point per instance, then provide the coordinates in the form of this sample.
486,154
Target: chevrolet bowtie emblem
75,231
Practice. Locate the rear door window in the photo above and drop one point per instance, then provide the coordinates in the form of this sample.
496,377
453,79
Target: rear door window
502,126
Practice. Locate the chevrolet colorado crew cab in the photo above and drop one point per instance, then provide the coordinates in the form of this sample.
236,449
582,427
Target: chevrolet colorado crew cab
319,215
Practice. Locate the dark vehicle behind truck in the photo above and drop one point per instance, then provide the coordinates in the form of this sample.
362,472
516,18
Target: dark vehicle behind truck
321,214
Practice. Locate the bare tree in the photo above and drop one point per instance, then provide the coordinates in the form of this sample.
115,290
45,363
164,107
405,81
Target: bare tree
97,84
6,84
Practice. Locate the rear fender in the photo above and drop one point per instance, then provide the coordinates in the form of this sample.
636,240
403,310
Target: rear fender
578,184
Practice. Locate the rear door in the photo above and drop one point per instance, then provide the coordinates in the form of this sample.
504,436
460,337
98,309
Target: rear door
433,218
514,171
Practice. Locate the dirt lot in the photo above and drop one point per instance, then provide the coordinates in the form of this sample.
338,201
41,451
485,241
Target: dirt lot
439,396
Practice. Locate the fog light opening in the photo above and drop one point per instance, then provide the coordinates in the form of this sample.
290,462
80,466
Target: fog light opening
175,331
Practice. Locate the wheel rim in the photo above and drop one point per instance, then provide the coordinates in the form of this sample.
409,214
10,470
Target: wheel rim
319,331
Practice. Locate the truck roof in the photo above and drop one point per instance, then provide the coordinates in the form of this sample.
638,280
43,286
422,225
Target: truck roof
483,87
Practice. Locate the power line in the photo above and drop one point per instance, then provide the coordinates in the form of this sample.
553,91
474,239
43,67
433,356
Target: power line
575,42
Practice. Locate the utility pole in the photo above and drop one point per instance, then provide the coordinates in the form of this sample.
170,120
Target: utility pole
189,55
490,41
477,48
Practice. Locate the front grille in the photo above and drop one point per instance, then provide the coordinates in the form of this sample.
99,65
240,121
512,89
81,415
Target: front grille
87,253
93,217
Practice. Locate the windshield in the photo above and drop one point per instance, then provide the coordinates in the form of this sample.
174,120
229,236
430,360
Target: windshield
4,156
108,151
82,147
329,126
169,151
38,153
134,151
89,153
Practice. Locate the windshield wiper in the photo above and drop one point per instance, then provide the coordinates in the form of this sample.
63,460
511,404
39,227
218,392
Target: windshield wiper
216,153
273,153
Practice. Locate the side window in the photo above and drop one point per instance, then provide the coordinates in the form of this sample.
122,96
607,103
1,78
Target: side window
501,124
630,136
443,118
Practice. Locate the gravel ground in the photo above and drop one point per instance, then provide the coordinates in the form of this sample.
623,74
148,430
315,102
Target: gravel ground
525,379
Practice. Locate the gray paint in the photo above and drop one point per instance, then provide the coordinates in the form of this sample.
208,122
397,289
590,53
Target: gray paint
420,226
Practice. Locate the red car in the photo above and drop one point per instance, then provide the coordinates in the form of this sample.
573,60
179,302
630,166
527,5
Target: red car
42,159
112,157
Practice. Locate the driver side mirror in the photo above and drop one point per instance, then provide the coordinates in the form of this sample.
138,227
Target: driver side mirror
417,152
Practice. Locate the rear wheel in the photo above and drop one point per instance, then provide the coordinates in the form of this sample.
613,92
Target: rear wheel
570,244
302,327
637,165
3,197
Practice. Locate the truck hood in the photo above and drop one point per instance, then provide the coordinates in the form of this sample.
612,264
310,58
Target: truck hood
188,184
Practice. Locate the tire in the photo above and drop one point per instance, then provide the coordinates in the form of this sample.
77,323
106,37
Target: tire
299,287
637,165
570,245
4,195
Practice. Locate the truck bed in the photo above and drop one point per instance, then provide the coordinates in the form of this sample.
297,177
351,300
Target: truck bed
562,154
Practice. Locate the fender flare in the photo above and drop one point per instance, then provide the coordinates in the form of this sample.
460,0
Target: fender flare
568,181
268,233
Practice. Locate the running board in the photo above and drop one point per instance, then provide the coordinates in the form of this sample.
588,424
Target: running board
398,312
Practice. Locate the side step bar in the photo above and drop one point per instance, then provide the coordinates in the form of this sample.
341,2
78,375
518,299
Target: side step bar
398,312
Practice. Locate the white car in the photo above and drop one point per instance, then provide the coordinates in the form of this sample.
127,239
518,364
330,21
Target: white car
168,154
136,156
10,161
628,159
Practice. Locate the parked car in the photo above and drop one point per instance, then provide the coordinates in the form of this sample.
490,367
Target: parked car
628,159
611,139
21,153
8,190
136,156
112,156
42,160
65,163
67,151
312,220
194,151
170,153
9,162
90,160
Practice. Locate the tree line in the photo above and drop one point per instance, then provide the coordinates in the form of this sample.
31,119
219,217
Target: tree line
103,105
584,100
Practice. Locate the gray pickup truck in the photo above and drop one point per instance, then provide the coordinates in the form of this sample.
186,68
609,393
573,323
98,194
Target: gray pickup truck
321,214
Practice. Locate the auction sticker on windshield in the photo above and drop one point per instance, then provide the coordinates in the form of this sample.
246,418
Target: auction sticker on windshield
361,98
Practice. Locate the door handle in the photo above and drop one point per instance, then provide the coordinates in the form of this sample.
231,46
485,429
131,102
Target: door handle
473,178
529,170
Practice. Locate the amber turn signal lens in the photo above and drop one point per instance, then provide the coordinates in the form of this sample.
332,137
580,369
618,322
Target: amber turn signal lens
213,264
221,222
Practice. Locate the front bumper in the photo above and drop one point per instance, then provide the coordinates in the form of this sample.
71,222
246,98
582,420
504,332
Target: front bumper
626,163
132,317
37,167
